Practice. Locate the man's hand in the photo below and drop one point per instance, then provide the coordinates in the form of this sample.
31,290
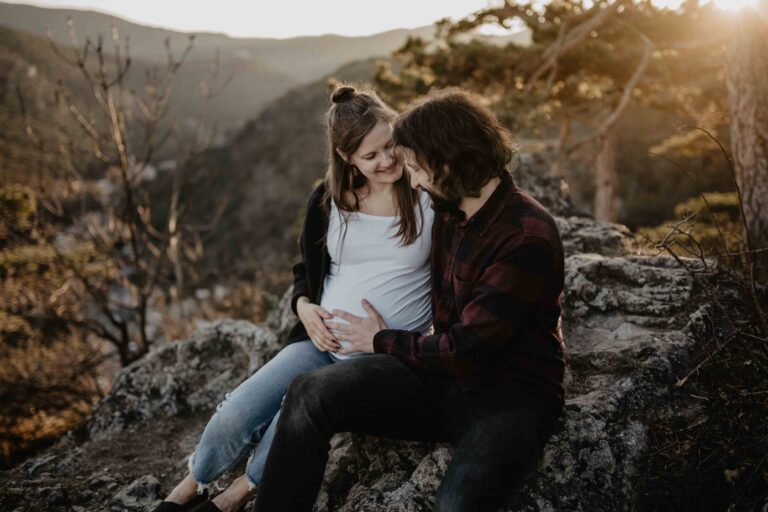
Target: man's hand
360,331
312,316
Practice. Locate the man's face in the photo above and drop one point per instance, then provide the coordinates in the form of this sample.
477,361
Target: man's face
422,178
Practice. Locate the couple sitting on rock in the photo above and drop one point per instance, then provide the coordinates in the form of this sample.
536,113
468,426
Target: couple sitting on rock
428,295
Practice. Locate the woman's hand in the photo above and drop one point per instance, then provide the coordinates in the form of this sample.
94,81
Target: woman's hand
359,332
313,316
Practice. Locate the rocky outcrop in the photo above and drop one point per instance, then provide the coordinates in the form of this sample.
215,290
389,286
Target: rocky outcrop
626,324
626,321
184,377
531,172
585,235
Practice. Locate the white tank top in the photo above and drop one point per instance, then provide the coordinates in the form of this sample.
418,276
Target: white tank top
370,263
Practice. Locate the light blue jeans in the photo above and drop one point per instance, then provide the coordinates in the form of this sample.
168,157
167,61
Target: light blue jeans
245,421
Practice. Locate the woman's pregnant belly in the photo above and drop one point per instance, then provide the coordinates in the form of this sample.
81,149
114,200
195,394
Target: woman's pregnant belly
400,296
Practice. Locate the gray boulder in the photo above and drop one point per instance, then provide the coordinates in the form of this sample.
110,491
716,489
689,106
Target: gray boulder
626,320
627,327
184,377
532,173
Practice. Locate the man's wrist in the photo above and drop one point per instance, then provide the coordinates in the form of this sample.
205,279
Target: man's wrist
381,342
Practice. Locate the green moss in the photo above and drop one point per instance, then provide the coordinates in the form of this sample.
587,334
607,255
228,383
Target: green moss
716,227
18,205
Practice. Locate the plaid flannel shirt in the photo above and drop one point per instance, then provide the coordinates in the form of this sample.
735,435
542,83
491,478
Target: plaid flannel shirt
496,284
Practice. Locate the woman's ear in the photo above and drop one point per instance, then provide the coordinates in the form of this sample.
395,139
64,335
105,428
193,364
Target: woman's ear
342,155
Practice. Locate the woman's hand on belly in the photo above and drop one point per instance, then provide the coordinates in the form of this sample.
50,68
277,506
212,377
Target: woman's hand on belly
312,316
359,332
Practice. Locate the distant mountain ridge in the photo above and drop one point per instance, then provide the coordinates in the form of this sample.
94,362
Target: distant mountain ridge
264,68
305,58
29,74
273,110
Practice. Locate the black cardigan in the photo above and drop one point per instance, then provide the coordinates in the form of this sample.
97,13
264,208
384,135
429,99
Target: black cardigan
309,273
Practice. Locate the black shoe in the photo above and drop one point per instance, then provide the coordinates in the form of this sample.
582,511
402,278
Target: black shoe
169,506
208,506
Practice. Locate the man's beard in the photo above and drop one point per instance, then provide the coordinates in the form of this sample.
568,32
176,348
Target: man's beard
443,204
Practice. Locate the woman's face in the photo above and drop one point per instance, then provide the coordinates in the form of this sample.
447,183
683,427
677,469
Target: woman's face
375,157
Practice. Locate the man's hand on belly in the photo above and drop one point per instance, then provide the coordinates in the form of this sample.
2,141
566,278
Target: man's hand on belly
359,332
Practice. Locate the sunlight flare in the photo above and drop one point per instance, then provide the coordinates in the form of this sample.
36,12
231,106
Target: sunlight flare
726,5
735,5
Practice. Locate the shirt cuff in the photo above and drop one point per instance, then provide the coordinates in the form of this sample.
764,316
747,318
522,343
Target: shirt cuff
383,341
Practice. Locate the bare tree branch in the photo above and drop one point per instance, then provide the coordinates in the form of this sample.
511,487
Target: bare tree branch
596,16
626,95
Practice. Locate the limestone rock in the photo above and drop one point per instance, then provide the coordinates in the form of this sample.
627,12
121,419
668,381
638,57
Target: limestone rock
136,496
282,319
586,235
627,327
626,321
532,174
184,376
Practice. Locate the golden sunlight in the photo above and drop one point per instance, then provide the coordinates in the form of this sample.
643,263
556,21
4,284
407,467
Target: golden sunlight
726,5
734,5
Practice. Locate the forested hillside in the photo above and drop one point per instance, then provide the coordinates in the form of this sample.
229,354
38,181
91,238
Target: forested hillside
266,172
29,74
263,68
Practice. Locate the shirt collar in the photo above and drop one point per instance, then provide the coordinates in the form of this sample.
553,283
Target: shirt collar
491,209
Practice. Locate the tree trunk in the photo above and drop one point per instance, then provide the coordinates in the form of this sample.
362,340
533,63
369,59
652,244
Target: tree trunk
607,180
747,81
564,132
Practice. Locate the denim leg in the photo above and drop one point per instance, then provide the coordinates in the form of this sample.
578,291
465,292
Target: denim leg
258,458
244,415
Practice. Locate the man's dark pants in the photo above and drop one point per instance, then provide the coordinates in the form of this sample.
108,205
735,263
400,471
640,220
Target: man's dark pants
498,439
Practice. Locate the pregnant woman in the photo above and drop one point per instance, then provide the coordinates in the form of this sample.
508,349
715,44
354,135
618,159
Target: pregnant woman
366,233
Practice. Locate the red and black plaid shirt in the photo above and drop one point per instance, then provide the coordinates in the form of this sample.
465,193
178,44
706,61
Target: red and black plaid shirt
496,284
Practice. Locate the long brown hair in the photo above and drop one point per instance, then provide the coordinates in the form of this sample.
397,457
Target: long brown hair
351,115
459,139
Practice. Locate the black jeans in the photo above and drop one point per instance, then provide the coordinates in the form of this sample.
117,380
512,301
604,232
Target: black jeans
498,440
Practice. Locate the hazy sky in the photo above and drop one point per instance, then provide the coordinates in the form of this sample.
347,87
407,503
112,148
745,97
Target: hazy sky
277,18
288,18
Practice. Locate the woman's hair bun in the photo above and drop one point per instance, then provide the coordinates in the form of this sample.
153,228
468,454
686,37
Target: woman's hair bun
342,94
